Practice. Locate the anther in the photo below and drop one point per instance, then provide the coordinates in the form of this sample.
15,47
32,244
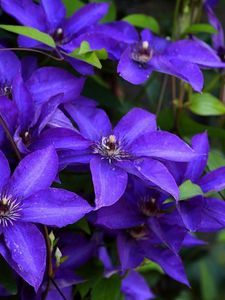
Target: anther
145,45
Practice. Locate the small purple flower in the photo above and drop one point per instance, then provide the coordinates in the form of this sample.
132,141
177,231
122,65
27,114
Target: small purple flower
25,199
35,104
181,59
201,213
133,147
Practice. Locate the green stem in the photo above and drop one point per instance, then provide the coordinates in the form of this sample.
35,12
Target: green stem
162,93
33,50
10,138
175,17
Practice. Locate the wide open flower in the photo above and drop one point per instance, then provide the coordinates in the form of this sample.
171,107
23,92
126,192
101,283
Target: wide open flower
50,17
181,59
133,146
25,198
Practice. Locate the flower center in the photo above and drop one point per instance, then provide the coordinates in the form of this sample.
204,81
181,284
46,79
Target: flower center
142,53
221,53
58,35
149,207
9,210
110,148
138,232
26,138
6,90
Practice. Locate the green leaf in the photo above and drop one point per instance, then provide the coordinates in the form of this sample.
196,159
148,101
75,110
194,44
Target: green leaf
102,54
198,28
143,21
206,104
83,224
89,56
107,289
149,265
84,48
72,6
189,127
216,160
188,190
31,33
92,275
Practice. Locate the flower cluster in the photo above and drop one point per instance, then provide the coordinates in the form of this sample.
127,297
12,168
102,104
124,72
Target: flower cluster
136,168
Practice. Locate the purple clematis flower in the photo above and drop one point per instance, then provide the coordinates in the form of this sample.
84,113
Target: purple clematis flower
35,104
139,57
201,213
133,146
180,59
25,198
50,17
148,227
144,211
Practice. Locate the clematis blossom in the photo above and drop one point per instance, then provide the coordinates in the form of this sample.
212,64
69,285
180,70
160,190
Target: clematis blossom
147,227
202,212
134,146
181,59
26,199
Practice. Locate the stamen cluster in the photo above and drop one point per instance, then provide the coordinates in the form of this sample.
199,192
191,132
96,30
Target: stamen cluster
111,148
142,53
9,210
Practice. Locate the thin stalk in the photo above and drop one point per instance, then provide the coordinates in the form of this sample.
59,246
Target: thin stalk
58,289
212,83
162,93
179,106
222,90
35,51
49,262
175,17
10,138
174,88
